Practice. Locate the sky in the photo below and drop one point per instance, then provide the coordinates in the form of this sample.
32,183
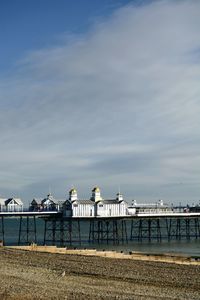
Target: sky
101,92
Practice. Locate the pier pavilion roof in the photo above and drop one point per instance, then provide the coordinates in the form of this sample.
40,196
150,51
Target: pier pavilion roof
16,201
110,201
51,200
86,201
36,201
66,201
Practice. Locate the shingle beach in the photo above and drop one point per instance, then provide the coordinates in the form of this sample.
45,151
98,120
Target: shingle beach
36,275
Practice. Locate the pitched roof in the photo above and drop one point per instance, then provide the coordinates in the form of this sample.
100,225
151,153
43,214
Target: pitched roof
17,201
65,201
35,201
110,201
48,201
84,202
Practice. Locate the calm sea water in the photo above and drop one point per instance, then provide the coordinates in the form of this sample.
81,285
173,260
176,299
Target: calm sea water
186,247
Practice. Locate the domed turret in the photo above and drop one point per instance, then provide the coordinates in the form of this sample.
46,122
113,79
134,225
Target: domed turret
96,189
73,195
119,197
96,194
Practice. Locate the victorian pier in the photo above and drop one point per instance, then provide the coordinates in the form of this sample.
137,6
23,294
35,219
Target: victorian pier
63,231
99,221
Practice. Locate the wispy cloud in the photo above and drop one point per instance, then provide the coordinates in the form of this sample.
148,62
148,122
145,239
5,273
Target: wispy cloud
116,106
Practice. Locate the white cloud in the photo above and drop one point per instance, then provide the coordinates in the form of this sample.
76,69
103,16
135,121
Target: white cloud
118,105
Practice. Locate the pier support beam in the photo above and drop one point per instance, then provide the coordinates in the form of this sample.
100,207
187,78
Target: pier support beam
149,229
161,228
108,230
135,224
179,228
62,232
197,228
2,230
146,229
27,230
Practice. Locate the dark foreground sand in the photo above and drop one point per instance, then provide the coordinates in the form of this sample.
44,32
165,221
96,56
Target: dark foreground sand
34,275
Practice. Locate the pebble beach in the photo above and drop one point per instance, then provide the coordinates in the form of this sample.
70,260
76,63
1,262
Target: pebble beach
38,275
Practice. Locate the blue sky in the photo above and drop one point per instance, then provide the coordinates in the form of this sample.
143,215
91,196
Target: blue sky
27,25
100,93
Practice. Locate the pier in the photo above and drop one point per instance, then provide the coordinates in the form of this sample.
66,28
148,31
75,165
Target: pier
98,221
61,230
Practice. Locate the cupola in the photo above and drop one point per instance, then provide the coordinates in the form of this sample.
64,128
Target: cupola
96,194
73,195
119,197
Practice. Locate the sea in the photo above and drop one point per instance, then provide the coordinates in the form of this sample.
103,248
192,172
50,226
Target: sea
178,247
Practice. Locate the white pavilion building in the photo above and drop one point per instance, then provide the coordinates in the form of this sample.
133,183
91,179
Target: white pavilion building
11,205
96,206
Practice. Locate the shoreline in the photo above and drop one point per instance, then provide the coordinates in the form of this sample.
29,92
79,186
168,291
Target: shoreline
133,255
